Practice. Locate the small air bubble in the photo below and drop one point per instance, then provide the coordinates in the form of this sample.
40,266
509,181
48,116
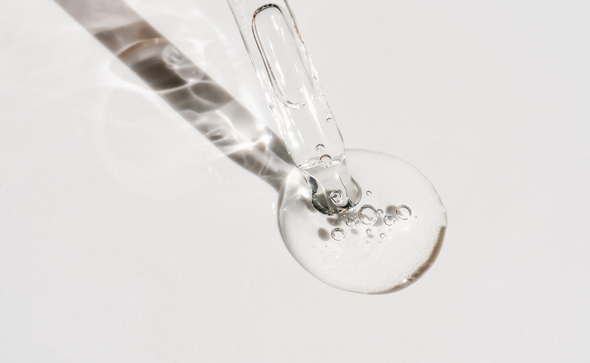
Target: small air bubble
367,214
325,160
337,197
380,212
369,193
389,220
369,232
319,147
329,119
403,212
382,235
338,234
350,222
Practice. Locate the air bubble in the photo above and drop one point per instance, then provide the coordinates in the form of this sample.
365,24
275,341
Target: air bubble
403,212
380,212
329,119
337,197
368,214
319,147
350,222
338,234
382,235
369,232
369,193
325,160
389,220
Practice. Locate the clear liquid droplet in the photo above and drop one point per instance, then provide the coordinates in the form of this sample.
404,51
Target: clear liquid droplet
389,220
368,215
403,212
338,234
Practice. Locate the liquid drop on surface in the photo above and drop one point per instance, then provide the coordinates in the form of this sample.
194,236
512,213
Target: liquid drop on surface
363,264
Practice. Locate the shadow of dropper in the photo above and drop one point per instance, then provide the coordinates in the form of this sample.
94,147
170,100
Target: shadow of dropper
184,86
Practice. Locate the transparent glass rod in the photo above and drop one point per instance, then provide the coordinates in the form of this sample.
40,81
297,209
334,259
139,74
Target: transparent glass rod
296,99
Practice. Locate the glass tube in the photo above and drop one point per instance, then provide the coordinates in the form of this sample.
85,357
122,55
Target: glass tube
295,97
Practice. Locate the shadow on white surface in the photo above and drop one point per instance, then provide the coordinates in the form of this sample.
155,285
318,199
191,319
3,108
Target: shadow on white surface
185,87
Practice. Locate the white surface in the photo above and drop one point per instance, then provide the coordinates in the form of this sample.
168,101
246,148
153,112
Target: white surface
126,237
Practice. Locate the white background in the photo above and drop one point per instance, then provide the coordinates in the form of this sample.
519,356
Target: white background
126,237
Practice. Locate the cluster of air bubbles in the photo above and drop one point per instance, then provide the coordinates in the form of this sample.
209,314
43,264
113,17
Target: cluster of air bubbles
337,197
389,220
403,212
368,215
319,147
325,160
338,234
